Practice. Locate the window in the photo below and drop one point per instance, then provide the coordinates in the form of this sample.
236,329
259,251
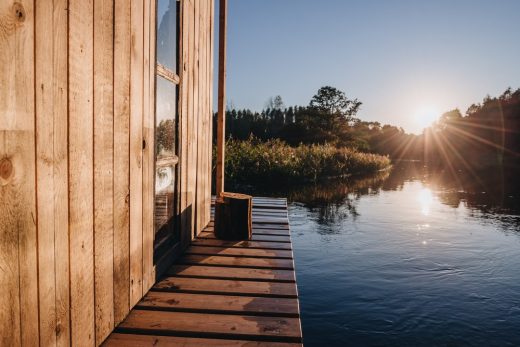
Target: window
166,124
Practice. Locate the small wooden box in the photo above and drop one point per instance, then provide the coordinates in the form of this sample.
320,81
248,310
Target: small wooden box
233,216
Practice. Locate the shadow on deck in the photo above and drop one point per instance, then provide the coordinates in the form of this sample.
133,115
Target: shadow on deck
224,293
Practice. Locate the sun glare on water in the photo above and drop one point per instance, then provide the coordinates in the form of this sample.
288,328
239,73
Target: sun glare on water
425,199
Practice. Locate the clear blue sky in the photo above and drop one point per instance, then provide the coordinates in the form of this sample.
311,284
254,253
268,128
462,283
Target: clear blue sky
404,59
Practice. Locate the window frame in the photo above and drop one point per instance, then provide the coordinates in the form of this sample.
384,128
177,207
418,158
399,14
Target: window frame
168,231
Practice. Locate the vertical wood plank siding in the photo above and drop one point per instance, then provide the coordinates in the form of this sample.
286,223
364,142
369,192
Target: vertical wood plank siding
136,152
103,168
81,167
149,148
77,108
121,159
52,172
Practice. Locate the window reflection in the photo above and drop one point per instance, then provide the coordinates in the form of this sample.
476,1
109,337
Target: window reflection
166,159
167,34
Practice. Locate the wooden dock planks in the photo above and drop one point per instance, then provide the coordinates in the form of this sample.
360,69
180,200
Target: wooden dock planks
222,293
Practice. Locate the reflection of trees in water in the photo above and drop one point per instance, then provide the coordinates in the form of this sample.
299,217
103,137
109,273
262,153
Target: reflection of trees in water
493,194
488,194
491,191
335,200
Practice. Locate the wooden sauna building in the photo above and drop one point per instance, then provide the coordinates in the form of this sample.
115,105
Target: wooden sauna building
105,183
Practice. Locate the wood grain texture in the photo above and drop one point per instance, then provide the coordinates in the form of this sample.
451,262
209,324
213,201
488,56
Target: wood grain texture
247,244
209,157
241,252
221,325
77,100
254,288
23,12
221,120
203,92
44,74
231,294
60,144
18,243
196,140
206,88
52,175
255,237
81,180
278,232
132,340
191,139
149,144
103,168
259,230
184,92
136,151
275,226
220,304
243,262
220,272
122,41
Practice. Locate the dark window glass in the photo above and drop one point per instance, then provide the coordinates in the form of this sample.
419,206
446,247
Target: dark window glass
167,34
166,159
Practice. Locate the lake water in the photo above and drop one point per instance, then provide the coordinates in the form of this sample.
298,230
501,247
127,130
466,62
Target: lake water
408,258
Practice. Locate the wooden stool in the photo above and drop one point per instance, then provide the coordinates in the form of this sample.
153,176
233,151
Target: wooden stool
233,219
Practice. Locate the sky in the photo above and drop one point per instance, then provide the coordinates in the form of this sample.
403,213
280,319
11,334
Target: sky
408,61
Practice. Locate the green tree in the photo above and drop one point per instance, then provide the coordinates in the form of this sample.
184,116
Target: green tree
449,118
275,103
333,101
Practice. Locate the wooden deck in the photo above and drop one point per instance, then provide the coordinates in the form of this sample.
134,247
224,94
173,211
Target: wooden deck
224,293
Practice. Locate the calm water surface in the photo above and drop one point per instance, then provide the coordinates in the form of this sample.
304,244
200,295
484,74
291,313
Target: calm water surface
408,258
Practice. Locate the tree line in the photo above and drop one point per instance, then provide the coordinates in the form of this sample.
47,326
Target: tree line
486,135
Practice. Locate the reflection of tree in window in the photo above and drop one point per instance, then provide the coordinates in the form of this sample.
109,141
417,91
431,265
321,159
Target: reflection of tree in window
165,114
165,134
165,117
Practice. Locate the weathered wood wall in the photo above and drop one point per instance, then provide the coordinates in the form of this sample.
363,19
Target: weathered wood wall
195,105
77,98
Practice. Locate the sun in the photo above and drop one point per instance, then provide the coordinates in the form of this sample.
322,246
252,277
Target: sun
425,116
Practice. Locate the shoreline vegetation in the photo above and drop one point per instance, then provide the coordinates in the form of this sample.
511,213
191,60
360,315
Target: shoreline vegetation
273,161
285,145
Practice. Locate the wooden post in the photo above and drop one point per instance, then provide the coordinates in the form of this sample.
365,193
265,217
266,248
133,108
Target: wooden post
221,121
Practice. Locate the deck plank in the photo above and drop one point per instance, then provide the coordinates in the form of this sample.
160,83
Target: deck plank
134,340
259,225
267,212
232,273
224,293
255,237
263,225
213,325
242,262
245,305
266,219
188,285
242,244
267,231
245,252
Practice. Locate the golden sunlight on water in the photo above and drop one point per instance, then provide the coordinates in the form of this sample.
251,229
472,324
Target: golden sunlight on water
415,260
425,198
